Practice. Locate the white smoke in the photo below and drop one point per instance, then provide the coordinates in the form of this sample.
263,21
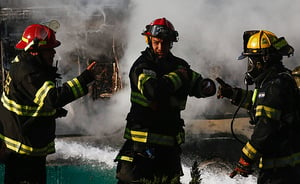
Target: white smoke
210,40
210,37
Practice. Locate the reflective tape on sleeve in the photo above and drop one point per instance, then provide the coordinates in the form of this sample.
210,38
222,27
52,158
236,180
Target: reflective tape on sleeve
272,113
250,151
76,88
42,92
175,80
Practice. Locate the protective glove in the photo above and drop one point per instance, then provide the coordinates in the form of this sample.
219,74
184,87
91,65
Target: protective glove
93,69
224,90
61,112
90,73
242,168
208,87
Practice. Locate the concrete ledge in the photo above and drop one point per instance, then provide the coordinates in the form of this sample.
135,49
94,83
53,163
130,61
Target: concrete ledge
217,126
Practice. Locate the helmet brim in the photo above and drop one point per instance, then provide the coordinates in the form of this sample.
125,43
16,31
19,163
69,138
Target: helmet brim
21,45
244,55
241,57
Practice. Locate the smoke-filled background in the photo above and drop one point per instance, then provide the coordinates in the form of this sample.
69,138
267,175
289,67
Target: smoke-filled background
210,39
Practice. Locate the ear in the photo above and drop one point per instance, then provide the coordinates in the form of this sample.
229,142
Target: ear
147,39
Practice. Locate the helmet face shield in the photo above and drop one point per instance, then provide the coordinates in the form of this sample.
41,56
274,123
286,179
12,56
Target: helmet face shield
296,75
161,28
159,31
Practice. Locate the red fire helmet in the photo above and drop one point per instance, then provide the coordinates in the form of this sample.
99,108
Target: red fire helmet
161,28
43,35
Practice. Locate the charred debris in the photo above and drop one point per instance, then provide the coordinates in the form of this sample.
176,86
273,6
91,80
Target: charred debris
96,36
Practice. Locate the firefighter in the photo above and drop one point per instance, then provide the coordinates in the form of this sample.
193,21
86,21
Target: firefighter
30,103
296,75
273,108
160,83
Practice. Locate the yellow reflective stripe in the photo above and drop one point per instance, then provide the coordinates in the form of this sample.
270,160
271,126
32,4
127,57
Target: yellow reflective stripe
290,160
143,78
269,112
42,92
41,95
41,42
24,110
175,80
139,99
125,158
16,60
250,151
25,149
76,87
147,137
17,108
254,95
139,136
24,39
37,151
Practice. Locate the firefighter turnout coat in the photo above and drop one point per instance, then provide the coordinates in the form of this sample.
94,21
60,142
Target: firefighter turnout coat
274,108
158,95
31,102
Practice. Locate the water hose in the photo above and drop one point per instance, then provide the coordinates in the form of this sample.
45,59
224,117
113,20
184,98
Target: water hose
234,116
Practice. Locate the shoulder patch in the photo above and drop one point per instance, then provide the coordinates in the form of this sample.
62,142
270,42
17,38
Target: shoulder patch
261,94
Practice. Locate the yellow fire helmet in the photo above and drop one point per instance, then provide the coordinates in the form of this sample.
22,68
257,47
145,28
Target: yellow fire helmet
296,71
296,75
263,42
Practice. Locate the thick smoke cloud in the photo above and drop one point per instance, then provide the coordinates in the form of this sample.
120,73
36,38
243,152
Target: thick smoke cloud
210,39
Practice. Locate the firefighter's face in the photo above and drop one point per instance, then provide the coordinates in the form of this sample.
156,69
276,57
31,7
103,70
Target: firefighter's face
161,47
48,55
